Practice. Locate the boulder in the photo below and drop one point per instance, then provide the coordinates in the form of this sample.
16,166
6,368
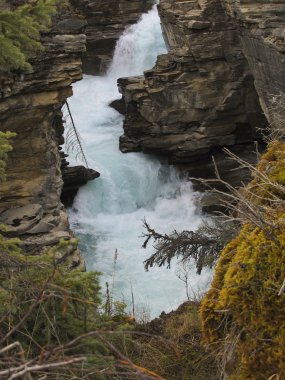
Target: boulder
73,178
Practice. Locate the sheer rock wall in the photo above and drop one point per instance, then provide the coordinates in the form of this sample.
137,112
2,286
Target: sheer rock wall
30,105
262,34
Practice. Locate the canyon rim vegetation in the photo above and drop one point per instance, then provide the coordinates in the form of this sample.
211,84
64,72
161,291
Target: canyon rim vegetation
20,32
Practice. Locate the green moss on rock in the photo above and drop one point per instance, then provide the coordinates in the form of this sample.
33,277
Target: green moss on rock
243,312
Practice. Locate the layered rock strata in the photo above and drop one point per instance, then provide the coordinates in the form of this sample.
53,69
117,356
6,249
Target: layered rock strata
106,22
30,105
200,96
262,34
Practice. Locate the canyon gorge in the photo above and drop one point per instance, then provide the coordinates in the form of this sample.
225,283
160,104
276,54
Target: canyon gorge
159,91
214,88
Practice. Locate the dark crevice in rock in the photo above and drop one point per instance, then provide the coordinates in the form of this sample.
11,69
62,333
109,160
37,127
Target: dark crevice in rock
119,105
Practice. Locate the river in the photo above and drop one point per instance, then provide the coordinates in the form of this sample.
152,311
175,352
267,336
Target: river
108,213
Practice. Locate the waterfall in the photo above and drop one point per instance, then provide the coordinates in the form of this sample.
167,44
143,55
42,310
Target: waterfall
108,213
138,47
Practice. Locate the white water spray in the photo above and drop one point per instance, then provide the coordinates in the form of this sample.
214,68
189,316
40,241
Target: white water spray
108,213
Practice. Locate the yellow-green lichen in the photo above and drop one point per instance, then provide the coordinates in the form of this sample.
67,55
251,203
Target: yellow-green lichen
244,313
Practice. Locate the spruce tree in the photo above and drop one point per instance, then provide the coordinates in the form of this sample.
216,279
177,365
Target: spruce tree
20,33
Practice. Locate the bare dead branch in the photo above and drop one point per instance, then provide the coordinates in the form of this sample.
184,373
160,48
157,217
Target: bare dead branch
39,367
282,289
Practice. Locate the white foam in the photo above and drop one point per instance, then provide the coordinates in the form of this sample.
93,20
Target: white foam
108,213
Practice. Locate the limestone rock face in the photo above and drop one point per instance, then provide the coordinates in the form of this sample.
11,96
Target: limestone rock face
30,105
262,34
199,97
107,19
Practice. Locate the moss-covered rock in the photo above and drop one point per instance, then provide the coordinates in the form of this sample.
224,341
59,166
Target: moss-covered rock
243,312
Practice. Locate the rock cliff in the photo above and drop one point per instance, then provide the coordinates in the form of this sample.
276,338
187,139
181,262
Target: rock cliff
262,35
30,105
106,22
225,58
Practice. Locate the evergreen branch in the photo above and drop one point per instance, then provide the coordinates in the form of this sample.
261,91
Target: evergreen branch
30,311
5,148
20,31
203,246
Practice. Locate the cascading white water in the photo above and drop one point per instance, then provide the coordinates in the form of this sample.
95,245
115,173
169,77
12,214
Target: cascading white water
108,213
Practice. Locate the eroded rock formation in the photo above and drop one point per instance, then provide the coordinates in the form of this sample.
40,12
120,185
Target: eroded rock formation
30,105
225,58
106,22
262,34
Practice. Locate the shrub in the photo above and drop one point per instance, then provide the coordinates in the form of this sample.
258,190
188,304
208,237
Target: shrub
5,147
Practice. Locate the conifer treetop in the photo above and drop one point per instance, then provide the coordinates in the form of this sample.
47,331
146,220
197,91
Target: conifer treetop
20,33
